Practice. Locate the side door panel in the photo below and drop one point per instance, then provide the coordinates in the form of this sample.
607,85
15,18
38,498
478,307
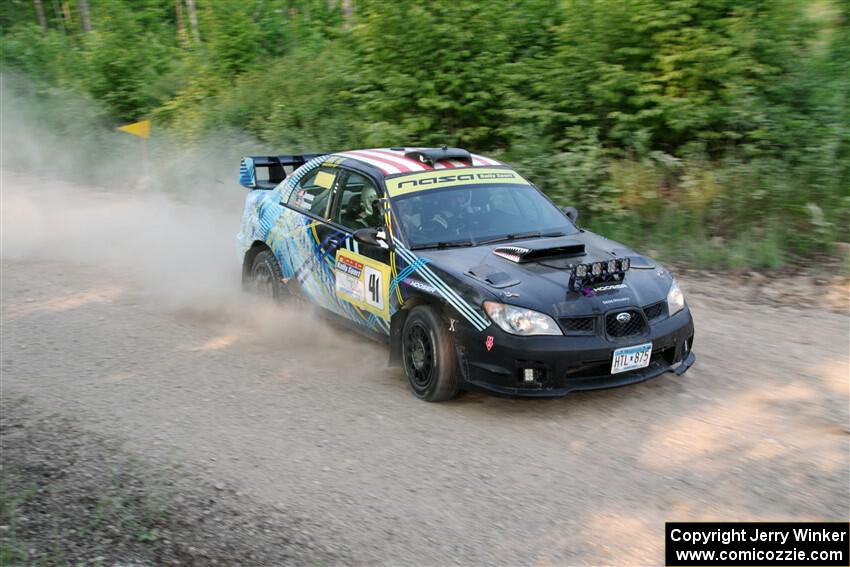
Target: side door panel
364,274
302,239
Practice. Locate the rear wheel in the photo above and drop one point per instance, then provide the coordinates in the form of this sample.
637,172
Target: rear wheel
428,355
265,280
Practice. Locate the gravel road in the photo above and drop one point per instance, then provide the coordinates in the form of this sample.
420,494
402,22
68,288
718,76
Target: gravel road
279,410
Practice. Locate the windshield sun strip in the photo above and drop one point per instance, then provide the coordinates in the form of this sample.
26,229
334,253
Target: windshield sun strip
439,179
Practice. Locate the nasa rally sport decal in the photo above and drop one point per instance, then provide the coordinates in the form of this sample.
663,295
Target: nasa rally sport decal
405,184
363,282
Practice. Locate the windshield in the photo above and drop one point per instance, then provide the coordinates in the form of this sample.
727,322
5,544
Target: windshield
469,215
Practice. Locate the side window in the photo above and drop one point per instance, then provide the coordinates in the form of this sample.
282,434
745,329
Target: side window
359,203
313,193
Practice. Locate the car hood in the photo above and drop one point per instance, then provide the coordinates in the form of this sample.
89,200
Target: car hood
541,282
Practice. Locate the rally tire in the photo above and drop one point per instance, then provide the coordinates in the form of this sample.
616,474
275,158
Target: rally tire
265,277
428,356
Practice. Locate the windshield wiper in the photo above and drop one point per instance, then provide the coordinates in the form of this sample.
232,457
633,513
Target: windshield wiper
442,245
520,236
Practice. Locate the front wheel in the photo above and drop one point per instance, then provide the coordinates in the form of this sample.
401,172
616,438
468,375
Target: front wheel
430,361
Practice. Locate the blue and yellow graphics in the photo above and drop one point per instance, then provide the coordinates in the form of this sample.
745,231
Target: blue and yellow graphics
321,260
312,253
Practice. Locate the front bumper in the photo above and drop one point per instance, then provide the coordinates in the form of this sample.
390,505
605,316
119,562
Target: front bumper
567,364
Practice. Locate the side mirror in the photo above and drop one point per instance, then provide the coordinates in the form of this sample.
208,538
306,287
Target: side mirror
372,236
572,214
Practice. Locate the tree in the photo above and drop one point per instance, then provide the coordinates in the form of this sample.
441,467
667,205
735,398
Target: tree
182,39
39,14
193,20
85,21
438,81
57,14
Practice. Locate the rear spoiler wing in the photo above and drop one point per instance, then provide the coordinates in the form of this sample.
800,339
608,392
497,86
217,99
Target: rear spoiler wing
274,169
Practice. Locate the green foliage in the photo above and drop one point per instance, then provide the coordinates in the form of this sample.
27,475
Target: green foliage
682,71
712,130
431,71
126,62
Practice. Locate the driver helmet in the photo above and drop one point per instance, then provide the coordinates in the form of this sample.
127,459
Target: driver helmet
368,198
461,199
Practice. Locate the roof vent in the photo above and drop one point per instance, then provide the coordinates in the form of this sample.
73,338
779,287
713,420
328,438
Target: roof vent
431,156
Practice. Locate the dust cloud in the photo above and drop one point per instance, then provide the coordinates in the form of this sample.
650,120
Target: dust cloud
159,211
162,217
183,253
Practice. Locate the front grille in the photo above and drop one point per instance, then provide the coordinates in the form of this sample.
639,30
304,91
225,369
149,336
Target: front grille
654,311
634,326
578,325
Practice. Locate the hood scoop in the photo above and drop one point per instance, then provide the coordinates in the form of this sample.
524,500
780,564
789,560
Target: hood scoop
494,279
638,262
540,251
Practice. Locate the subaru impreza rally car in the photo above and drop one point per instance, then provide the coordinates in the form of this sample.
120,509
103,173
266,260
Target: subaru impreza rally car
474,278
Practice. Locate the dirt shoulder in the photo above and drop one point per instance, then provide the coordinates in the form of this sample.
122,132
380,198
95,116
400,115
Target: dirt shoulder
778,288
69,496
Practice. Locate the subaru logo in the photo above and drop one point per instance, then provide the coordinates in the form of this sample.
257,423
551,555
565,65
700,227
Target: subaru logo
624,317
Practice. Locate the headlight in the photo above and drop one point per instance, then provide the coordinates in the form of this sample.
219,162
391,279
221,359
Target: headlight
675,299
520,321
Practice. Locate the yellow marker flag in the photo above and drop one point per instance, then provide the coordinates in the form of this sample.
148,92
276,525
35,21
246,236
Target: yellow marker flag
141,128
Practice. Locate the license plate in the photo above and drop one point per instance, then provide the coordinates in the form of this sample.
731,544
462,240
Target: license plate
631,358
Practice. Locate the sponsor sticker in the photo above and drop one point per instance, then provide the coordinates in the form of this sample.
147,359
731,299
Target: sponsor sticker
363,282
333,161
420,285
349,266
324,179
489,342
610,287
438,179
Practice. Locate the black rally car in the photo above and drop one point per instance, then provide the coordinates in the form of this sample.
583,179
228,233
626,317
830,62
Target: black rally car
472,275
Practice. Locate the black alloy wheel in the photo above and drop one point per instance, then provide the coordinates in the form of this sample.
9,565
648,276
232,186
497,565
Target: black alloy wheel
429,357
419,356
